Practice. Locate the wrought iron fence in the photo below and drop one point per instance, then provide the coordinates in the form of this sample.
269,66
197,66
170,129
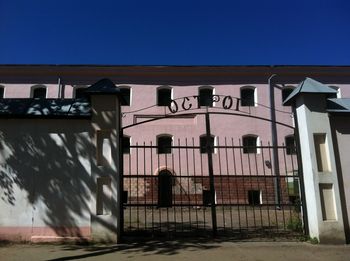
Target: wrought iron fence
172,191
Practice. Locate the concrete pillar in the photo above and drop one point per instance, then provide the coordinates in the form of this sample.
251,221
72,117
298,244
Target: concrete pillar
105,172
320,175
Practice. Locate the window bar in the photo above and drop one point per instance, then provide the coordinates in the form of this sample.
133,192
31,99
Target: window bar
181,201
251,186
152,187
273,177
266,189
188,186
282,205
292,158
130,189
202,178
158,190
195,182
137,186
261,192
222,189
286,180
167,208
236,185
228,182
144,183
243,179
173,190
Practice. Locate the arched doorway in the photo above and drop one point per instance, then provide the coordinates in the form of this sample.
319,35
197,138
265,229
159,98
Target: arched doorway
165,185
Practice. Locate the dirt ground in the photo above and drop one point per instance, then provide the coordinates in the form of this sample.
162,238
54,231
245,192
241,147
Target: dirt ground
178,250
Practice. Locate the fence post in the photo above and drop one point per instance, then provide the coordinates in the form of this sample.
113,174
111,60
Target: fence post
211,173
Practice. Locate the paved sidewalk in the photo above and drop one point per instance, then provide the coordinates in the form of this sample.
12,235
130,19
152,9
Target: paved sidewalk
178,250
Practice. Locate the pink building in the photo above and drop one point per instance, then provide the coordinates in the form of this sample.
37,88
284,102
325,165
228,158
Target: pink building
170,155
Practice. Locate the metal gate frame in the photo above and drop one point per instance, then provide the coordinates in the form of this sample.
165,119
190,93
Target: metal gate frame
209,149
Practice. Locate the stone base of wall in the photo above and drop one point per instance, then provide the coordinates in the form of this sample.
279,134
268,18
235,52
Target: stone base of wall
45,234
229,190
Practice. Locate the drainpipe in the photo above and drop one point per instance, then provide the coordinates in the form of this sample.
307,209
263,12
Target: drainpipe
274,141
59,95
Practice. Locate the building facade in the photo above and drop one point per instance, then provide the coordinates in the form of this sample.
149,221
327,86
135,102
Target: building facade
166,141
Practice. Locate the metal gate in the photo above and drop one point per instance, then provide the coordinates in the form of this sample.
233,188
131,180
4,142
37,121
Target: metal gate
211,187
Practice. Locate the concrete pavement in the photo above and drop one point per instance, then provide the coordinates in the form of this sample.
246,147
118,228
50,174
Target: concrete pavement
178,250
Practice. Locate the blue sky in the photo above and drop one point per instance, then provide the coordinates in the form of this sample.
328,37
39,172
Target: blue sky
152,32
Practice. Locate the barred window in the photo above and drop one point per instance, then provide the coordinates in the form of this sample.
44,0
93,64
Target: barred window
125,93
286,92
248,96
290,145
163,96
250,144
126,145
206,97
164,144
39,93
203,143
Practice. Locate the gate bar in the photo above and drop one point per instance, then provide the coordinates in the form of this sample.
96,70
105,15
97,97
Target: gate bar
211,173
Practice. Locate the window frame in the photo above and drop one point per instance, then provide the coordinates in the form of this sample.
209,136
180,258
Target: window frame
123,147
290,150
161,88
37,87
284,89
203,149
162,150
251,149
128,103
255,96
206,88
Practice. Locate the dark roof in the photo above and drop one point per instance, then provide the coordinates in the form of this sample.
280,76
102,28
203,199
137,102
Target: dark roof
309,86
37,108
104,86
338,105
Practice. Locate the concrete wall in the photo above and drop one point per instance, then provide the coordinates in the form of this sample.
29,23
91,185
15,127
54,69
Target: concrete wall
59,178
322,190
45,179
341,135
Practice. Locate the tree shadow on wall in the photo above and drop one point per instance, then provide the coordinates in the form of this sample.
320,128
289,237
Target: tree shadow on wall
45,172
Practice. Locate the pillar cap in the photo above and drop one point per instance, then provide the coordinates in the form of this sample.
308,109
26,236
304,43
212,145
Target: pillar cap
308,86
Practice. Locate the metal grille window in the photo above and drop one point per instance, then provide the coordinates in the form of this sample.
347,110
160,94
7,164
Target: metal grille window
126,145
125,92
203,143
164,97
285,93
290,145
164,144
248,97
206,97
39,93
250,144
254,197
